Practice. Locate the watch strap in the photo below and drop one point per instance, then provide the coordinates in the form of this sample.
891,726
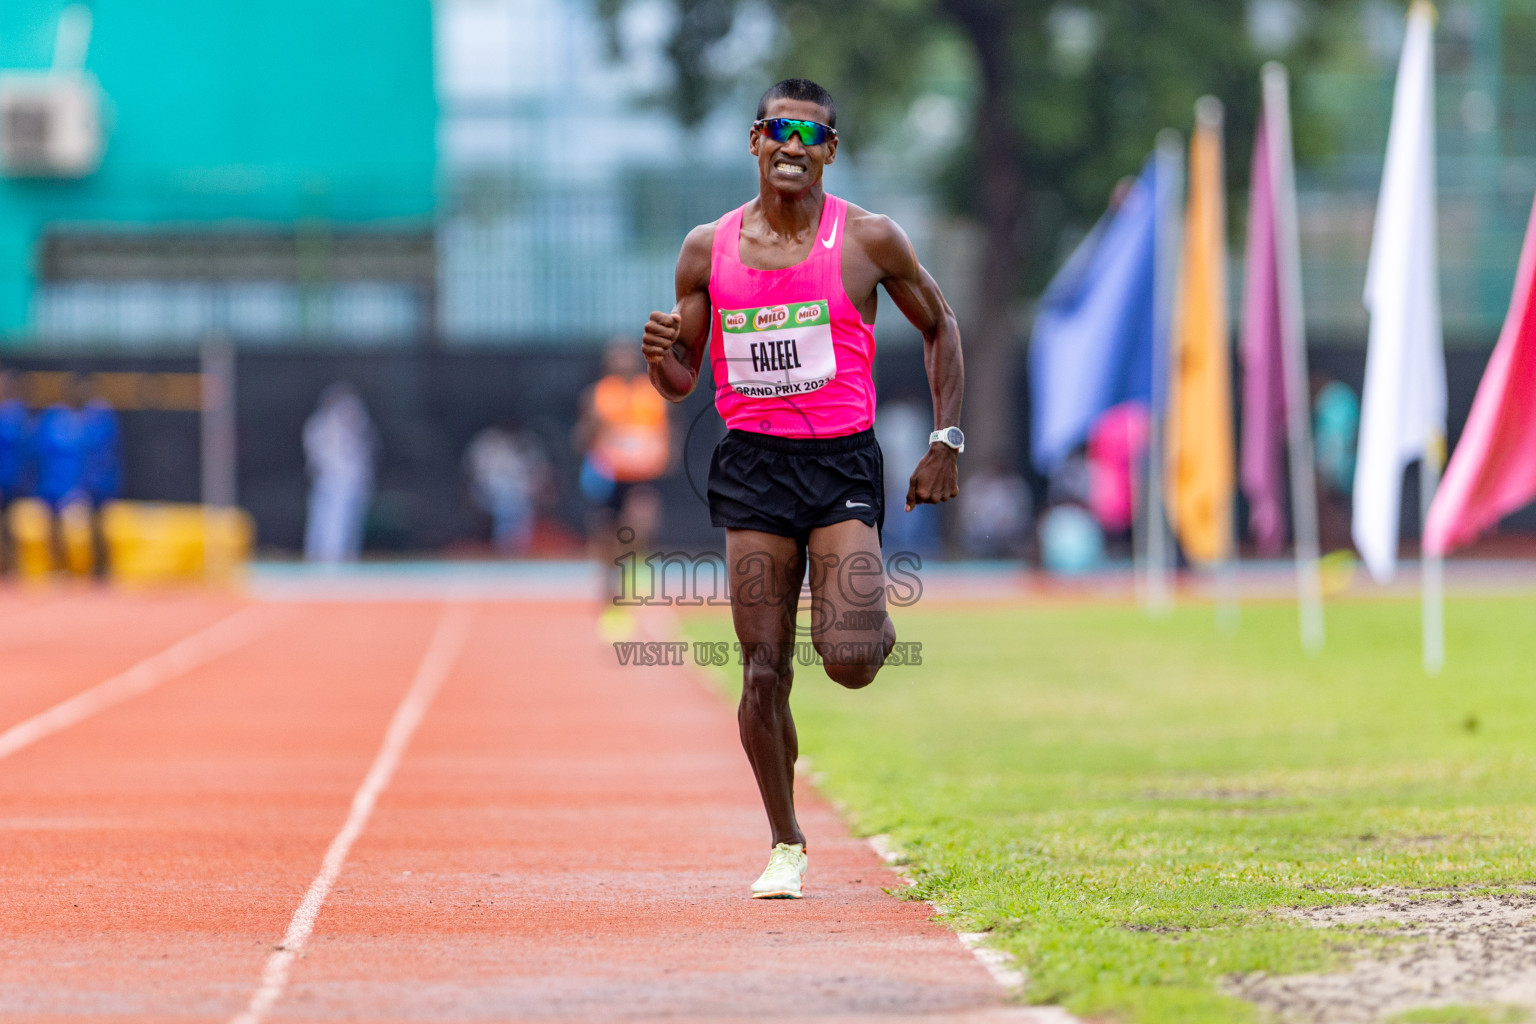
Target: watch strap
942,437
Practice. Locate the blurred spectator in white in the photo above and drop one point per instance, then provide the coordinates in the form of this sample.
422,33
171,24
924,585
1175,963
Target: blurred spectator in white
994,512
508,474
338,447
902,428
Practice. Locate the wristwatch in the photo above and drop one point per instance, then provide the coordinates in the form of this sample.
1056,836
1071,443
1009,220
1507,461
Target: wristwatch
951,436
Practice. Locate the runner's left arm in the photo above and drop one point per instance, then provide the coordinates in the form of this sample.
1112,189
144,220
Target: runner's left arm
917,295
674,343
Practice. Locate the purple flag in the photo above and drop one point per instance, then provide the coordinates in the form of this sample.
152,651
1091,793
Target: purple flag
1263,367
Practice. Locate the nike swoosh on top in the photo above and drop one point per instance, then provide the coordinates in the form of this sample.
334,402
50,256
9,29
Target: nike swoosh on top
830,239
850,503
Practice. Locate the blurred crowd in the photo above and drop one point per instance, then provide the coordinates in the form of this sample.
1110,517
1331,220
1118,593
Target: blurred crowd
625,443
58,466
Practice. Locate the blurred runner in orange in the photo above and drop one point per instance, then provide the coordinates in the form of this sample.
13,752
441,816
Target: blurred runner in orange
625,433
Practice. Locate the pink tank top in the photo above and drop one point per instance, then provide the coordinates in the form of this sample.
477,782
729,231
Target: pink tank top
790,354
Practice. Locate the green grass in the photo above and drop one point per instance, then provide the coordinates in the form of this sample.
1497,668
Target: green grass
1464,1015
1124,802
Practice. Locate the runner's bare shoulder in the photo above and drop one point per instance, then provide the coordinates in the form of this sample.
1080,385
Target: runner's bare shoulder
693,262
879,238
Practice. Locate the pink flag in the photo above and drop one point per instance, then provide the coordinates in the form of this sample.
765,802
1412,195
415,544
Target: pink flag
1493,471
1263,368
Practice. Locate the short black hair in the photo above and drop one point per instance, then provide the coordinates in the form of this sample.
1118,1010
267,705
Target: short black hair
799,89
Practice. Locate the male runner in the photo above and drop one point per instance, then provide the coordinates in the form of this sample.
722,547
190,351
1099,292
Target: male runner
783,291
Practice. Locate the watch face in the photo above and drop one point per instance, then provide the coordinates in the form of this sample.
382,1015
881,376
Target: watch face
954,437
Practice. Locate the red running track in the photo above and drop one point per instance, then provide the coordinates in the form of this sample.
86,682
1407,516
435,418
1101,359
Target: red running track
564,839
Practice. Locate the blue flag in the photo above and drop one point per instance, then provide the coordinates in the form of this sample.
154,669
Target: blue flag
1093,339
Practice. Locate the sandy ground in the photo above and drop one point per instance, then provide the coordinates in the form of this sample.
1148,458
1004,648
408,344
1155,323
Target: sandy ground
1454,950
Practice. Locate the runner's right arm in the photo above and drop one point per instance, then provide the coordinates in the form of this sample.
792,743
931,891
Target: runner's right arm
674,343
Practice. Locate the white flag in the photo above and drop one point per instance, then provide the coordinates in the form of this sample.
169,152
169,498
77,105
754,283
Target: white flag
1402,414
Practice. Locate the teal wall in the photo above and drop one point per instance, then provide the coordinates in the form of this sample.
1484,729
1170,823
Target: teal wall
255,111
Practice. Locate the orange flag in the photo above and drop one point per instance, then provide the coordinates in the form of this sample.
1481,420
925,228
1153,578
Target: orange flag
1200,468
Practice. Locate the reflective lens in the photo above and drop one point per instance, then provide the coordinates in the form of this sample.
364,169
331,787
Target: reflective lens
780,129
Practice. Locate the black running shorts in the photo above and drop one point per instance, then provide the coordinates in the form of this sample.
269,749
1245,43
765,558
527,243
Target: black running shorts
789,486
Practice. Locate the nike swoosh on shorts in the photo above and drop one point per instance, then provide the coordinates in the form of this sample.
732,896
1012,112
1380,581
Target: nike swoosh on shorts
850,503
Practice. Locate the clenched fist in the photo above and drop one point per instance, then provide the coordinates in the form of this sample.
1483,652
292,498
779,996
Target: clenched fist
936,479
661,332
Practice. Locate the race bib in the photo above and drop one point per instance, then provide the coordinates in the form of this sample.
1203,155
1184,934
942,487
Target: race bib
773,351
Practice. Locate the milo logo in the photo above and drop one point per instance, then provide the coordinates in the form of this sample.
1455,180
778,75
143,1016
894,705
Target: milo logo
770,317
808,313
735,321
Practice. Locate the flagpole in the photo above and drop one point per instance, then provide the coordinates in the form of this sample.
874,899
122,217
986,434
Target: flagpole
1157,591
1432,564
1211,116
1293,349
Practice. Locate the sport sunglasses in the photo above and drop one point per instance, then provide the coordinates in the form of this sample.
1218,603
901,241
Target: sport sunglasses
781,129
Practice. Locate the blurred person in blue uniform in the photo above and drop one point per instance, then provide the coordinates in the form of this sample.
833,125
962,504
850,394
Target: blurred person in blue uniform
15,444
58,453
101,468
339,443
101,450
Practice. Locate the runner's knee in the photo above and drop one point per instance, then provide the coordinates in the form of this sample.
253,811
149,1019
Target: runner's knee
853,676
765,683
853,664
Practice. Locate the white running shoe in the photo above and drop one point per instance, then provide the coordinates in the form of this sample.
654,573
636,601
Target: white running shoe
785,874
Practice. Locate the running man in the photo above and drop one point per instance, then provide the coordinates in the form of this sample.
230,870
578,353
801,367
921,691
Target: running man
782,292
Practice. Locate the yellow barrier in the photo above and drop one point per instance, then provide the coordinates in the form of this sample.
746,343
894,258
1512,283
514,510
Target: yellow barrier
75,538
31,525
150,542
146,542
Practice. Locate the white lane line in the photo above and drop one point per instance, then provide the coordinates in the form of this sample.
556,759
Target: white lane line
442,651
218,639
